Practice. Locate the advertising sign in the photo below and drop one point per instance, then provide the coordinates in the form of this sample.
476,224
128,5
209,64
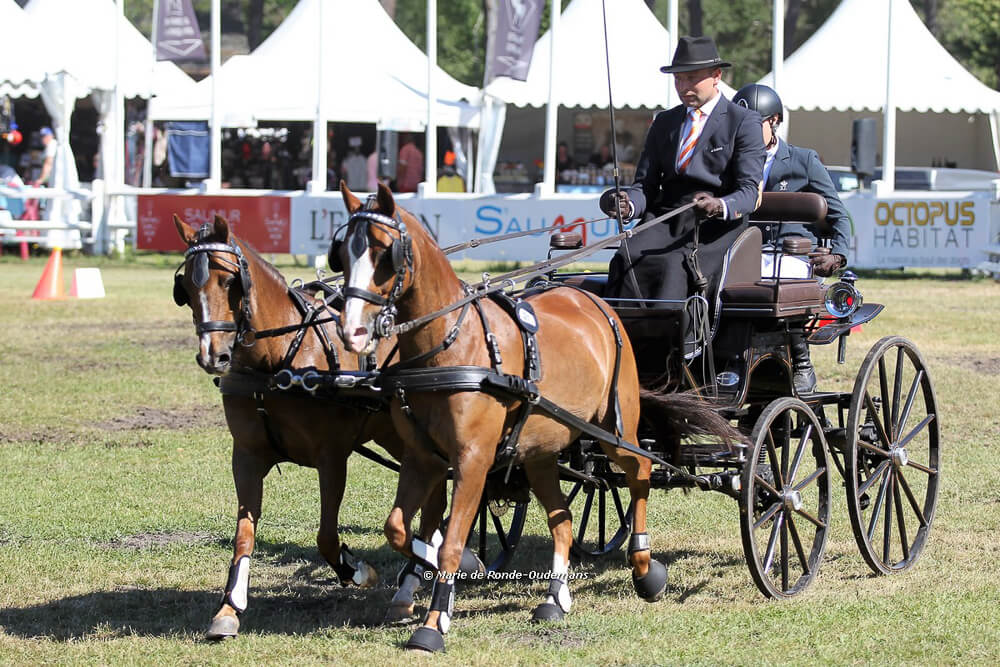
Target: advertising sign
456,220
926,229
263,222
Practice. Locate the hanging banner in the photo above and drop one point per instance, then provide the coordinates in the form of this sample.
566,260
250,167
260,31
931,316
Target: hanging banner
177,34
263,222
511,43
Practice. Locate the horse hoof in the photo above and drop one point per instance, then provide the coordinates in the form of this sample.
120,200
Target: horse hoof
223,627
470,563
425,639
651,587
547,612
400,613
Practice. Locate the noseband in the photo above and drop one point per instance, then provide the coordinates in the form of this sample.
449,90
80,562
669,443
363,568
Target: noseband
199,276
402,262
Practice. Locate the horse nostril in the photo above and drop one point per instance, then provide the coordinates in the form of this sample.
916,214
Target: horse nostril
223,360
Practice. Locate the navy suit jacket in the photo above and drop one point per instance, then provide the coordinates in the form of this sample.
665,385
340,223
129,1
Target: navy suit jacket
797,169
728,161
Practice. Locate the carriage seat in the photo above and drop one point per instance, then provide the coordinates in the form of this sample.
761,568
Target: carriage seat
806,208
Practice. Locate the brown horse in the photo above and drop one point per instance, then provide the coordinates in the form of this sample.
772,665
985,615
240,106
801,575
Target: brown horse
233,294
394,269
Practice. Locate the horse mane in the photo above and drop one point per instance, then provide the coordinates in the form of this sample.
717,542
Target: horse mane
268,268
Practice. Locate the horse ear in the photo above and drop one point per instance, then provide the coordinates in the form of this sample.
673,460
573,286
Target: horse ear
352,203
386,204
186,231
221,229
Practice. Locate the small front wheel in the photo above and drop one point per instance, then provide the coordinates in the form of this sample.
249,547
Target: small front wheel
785,498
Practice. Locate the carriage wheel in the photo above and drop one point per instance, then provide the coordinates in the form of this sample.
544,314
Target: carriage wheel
891,466
785,498
496,531
602,521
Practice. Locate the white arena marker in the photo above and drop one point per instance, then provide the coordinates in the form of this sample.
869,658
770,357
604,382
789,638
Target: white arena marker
87,284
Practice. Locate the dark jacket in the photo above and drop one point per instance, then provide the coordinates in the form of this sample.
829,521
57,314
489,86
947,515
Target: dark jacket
728,161
797,169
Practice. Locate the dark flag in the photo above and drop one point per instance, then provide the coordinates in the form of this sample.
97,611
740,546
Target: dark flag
511,39
177,34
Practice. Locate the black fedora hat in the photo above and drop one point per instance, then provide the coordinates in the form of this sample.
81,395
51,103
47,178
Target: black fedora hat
694,53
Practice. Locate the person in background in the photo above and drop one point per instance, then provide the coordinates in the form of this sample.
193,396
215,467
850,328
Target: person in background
354,169
602,157
410,169
49,148
372,171
448,178
790,168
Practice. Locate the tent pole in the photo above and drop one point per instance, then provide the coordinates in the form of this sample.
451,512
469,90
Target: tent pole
994,123
215,150
147,153
672,29
777,43
317,183
552,108
889,117
430,145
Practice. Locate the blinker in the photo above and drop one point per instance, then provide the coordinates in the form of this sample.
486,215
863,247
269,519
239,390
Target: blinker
199,269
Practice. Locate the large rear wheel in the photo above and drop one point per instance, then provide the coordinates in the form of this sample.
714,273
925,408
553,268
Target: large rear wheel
785,498
891,456
602,513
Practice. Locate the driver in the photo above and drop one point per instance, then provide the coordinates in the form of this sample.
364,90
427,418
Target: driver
706,150
793,169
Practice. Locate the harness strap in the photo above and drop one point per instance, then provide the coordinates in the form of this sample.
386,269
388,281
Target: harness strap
449,339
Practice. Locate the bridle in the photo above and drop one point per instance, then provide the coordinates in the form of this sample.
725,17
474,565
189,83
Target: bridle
199,276
401,252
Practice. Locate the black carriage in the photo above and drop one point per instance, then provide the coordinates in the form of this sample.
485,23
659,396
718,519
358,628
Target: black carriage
882,437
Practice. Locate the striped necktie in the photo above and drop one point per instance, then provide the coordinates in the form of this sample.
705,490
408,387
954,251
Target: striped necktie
690,139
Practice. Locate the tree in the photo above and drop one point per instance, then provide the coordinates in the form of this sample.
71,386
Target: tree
970,30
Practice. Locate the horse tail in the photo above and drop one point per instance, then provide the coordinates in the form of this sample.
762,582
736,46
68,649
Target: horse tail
683,414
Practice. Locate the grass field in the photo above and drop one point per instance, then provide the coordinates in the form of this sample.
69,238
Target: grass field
117,512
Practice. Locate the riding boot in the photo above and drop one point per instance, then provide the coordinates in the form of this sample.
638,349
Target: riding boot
803,375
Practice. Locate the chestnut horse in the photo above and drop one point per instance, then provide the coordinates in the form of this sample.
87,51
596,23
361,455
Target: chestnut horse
235,293
394,270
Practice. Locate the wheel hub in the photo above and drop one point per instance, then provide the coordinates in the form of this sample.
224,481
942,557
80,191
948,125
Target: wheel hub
900,457
792,499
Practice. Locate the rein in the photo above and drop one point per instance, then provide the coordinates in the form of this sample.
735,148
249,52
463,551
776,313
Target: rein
475,243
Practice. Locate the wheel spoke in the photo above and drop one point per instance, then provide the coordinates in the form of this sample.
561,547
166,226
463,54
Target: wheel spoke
873,414
618,505
809,517
806,436
879,499
916,429
900,520
766,516
798,546
784,554
897,384
483,511
909,496
767,485
909,402
786,442
773,459
501,531
573,492
887,532
922,468
883,381
813,476
772,542
585,516
882,467
601,517
873,449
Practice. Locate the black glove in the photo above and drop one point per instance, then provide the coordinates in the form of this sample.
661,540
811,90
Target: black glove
608,206
707,205
824,264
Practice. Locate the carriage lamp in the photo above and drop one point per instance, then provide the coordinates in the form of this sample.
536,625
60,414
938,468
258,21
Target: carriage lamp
843,299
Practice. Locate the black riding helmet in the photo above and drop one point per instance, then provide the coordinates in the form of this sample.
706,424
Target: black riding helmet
761,99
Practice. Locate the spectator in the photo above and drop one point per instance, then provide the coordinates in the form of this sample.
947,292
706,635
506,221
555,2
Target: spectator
50,146
564,160
602,157
410,170
449,180
354,169
373,171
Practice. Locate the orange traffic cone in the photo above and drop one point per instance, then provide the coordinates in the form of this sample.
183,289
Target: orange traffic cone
51,284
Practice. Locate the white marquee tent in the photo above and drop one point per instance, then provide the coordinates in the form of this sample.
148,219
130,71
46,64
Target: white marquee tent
22,65
843,68
371,73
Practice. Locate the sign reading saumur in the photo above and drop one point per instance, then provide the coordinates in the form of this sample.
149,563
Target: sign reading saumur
943,230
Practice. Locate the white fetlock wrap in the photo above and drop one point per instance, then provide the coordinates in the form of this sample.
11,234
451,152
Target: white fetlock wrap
238,585
558,592
443,602
427,553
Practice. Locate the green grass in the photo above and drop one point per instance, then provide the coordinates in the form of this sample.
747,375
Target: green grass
117,513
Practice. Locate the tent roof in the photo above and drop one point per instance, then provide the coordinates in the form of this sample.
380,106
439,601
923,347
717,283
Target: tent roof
384,80
22,64
843,65
638,46
81,33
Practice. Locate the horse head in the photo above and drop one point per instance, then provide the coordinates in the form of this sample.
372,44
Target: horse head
375,251
215,281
